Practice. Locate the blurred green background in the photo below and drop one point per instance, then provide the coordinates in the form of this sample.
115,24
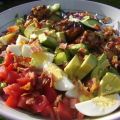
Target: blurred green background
5,4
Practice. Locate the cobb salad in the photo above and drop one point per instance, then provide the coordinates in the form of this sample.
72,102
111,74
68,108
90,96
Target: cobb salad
61,65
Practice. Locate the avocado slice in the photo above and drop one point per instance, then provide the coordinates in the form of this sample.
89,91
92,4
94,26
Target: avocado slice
61,58
45,49
52,33
54,8
72,66
40,31
110,84
90,22
61,36
101,68
89,63
36,33
29,30
74,48
4,40
48,41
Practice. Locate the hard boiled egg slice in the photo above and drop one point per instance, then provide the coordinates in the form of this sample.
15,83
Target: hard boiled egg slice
26,50
41,59
99,106
21,40
16,49
73,93
62,83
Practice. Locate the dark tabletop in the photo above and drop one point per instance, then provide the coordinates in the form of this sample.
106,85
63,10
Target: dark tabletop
5,4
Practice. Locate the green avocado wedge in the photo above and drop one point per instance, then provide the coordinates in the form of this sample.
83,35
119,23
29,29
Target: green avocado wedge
61,58
110,84
73,66
89,63
48,41
90,22
29,30
74,48
101,68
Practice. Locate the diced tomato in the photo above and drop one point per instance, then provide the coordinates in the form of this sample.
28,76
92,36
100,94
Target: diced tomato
41,103
23,80
80,116
70,103
3,72
74,113
73,101
9,59
10,67
49,113
12,77
50,93
66,101
22,102
63,112
12,101
13,89
26,77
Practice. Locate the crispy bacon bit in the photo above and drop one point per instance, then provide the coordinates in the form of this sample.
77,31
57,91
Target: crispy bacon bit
91,39
71,29
39,12
35,46
106,20
47,79
22,61
112,50
92,85
63,46
109,32
97,27
58,99
13,28
26,86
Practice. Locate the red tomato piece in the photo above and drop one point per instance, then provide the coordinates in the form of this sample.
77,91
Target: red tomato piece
22,102
13,89
3,72
41,103
23,80
63,112
12,77
9,59
10,67
50,93
80,116
12,101
49,113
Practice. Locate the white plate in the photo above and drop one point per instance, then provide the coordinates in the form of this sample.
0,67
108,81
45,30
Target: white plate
7,16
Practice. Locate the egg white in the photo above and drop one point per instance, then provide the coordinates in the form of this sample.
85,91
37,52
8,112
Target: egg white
99,107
